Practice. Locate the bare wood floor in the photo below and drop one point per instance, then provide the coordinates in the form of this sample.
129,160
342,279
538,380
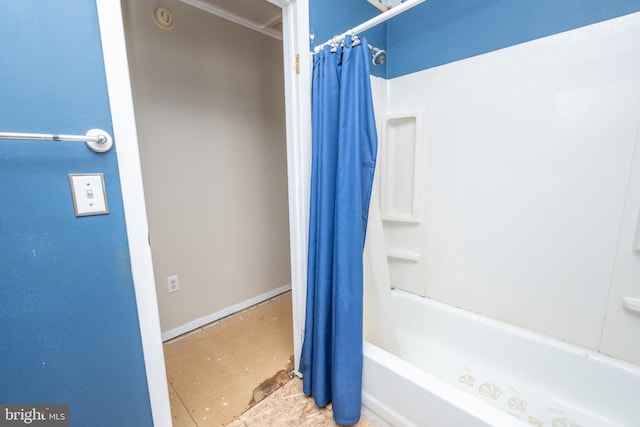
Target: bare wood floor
237,372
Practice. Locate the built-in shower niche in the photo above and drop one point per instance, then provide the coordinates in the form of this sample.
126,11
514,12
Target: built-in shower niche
399,180
402,191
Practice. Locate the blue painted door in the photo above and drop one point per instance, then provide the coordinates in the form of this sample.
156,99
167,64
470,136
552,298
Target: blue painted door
69,330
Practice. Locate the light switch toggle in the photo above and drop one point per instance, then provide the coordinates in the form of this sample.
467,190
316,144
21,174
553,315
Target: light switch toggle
89,195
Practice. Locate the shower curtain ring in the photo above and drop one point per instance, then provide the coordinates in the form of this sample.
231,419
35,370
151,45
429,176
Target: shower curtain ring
334,43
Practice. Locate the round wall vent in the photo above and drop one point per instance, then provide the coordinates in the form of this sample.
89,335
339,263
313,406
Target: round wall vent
163,18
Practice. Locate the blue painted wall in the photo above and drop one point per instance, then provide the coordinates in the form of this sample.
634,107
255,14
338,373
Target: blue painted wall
442,31
69,330
328,18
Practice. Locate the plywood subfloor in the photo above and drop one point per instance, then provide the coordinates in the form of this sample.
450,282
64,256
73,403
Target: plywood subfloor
237,372
217,372
289,407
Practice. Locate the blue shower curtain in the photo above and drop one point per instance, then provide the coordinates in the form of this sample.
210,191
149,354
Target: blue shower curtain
344,147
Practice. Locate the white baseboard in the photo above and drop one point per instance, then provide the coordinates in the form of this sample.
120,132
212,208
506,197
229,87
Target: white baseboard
198,323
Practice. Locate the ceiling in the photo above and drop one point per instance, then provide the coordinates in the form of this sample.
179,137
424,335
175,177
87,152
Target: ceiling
259,15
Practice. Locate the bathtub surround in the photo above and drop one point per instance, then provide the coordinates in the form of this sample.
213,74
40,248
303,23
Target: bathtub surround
527,202
529,159
523,149
379,325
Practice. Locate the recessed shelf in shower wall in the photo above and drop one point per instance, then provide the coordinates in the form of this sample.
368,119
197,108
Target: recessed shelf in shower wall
400,152
402,192
402,255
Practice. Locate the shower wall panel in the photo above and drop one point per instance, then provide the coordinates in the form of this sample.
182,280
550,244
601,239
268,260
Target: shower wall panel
527,187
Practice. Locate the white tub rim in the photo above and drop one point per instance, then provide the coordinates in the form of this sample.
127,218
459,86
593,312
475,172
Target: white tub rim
538,337
433,385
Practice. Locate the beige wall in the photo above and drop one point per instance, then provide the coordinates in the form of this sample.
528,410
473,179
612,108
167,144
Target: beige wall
209,104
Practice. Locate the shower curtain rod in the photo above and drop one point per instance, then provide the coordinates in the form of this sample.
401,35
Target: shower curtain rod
396,10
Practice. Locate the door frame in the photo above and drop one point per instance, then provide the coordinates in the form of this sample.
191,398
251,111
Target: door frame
298,66
297,63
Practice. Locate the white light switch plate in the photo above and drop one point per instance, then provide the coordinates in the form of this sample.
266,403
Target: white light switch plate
89,195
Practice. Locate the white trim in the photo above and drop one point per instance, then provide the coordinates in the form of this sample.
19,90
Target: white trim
281,3
124,132
295,19
295,28
205,320
273,21
225,14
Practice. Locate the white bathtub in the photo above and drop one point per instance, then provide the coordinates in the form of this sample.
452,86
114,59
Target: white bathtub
460,369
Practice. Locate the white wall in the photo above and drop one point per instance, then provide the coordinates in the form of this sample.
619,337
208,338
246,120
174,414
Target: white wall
529,212
209,103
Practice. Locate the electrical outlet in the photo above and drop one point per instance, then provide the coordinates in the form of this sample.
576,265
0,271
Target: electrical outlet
173,285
